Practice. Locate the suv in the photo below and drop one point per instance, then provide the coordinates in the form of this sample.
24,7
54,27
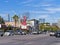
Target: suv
57,34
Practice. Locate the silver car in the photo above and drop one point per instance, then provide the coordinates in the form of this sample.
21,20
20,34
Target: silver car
9,33
1,32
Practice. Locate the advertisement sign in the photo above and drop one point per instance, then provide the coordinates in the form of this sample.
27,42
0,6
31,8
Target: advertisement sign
23,23
23,27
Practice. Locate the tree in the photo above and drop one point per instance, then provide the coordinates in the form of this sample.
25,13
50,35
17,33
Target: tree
1,20
41,27
44,26
15,18
54,28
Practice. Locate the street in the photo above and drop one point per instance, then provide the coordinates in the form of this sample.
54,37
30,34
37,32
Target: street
42,39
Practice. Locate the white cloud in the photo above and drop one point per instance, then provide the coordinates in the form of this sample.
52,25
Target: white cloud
53,9
38,5
46,5
13,11
34,11
40,12
43,16
35,16
3,15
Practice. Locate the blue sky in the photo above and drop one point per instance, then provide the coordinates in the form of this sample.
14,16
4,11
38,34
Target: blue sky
48,9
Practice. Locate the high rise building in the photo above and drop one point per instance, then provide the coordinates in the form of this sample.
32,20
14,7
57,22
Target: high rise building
42,20
34,24
58,23
8,18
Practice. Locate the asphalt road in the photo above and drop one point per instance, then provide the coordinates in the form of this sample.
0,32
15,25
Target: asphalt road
29,40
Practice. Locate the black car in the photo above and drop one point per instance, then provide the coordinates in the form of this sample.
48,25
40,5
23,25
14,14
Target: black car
18,32
57,34
1,33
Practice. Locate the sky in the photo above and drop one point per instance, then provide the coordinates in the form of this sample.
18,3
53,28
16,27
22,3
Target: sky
47,9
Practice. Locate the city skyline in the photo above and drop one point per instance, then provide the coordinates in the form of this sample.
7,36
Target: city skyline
45,9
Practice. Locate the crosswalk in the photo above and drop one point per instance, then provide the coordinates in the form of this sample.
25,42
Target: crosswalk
9,39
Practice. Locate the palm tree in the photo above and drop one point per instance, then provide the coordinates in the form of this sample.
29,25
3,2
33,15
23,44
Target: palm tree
15,18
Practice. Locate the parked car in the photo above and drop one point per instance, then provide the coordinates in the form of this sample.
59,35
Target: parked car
1,32
23,33
18,32
57,34
52,33
41,32
35,32
9,33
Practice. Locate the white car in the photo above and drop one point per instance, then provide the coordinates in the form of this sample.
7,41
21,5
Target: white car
35,32
52,33
9,33
23,33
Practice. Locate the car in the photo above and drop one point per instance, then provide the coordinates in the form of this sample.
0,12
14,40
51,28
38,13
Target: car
35,32
18,32
40,32
52,33
1,33
23,33
57,34
9,33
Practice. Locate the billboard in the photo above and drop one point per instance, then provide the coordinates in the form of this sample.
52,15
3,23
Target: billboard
23,27
23,23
